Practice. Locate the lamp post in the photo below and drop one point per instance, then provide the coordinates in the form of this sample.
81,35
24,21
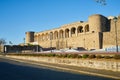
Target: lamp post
38,43
24,40
115,20
24,44
51,41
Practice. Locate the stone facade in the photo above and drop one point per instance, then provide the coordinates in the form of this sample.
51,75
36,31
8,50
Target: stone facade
113,65
98,32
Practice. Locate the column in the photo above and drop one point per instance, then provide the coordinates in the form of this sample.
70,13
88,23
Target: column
69,33
76,32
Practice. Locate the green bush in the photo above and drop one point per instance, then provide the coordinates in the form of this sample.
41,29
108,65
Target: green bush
50,55
64,55
91,56
69,55
107,57
85,56
99,56
74,55
59,55
79,56
116,56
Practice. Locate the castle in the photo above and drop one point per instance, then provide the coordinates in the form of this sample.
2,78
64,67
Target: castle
97,33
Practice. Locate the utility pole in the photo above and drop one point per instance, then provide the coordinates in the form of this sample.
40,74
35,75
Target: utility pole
51,41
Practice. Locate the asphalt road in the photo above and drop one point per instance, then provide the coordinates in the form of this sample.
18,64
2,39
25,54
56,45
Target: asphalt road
12,70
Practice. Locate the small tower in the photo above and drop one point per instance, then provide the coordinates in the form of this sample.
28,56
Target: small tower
97,23
30,37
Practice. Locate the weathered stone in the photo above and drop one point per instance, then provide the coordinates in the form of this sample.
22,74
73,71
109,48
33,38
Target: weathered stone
113,65
98,32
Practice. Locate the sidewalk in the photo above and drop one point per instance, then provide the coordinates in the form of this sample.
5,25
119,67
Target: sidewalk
72,69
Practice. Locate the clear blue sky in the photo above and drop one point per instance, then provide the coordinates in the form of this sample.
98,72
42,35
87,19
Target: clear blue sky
19,16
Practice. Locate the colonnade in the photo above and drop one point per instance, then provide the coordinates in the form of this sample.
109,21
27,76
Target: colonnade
61,33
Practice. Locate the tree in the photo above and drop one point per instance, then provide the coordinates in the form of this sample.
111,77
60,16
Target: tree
2,41
103,2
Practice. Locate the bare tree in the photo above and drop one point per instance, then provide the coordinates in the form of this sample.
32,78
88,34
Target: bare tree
102,2
2,41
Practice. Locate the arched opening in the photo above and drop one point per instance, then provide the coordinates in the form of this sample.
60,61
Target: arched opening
46,36
40,37
43,37
66,33
73,30
80,29
51,35
61,33
56,35
87,28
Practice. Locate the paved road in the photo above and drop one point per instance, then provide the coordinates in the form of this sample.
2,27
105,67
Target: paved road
13,70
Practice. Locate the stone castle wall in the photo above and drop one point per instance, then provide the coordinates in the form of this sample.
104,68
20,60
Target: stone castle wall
109,38
74,42
98,32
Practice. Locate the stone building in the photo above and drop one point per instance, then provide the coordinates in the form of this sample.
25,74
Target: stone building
97,33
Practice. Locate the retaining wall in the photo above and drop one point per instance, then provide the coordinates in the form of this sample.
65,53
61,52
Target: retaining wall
113,65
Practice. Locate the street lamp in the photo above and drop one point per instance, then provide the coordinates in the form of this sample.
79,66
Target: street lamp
24,44
38,43
24,40
115,20
51,41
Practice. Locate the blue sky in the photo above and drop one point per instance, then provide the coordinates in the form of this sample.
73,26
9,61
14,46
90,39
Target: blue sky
19,16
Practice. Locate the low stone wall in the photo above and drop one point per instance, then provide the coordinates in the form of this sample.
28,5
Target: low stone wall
113,65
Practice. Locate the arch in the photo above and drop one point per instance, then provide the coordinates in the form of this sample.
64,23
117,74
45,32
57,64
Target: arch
73,29
80,29
42,36
46,36
56,35
61,33
51,35
87,28
67,33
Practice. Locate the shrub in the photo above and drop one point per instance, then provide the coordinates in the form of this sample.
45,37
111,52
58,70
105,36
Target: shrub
99,56
91,56
85,56
69,55
107,57
116,56
57,55
79,56
74,55
51,55
64,55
